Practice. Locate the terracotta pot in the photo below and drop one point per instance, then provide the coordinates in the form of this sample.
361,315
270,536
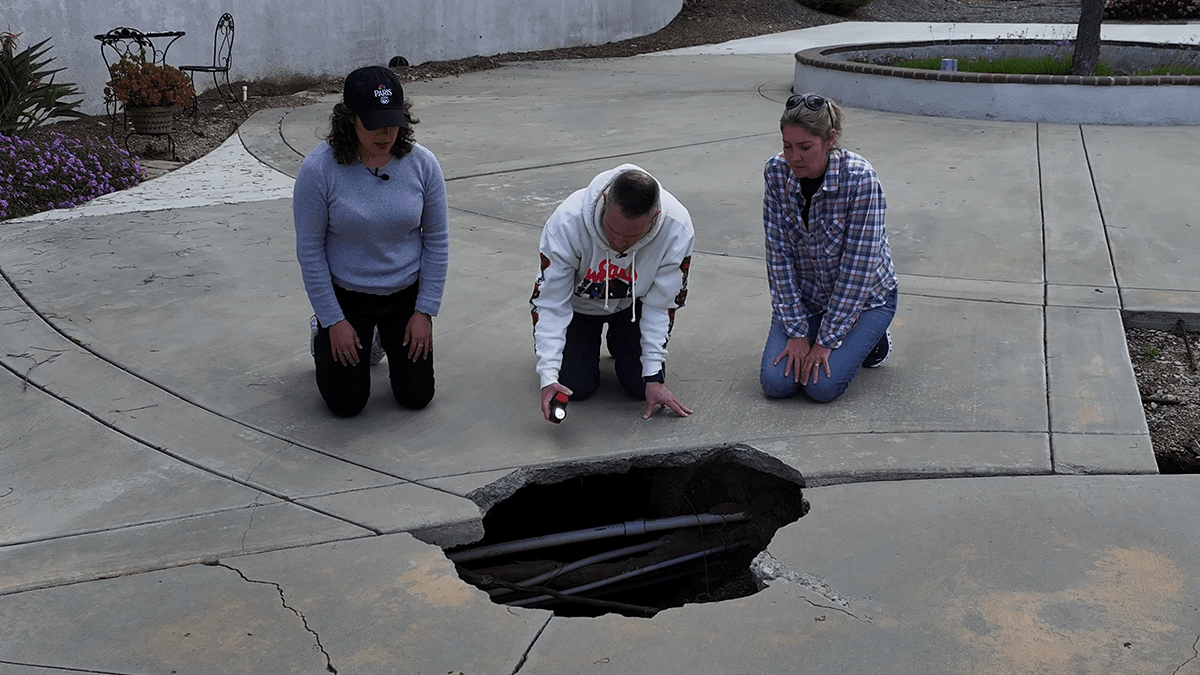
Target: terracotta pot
154,120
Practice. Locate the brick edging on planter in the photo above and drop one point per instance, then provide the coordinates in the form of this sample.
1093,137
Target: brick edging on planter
821,57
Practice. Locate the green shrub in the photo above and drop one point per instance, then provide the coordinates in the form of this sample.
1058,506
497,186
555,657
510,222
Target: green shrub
1045,65
28,93
837,7
49,171
1151,10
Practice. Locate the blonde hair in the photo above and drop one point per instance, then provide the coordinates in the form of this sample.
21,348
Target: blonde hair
820,122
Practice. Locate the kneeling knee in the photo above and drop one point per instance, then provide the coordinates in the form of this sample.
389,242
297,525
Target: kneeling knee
820,393
346,408
415,400
778,387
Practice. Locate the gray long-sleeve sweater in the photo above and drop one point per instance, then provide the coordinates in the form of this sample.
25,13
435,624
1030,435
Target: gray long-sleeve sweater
371,235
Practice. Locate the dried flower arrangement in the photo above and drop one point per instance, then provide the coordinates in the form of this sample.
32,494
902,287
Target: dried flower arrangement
138,83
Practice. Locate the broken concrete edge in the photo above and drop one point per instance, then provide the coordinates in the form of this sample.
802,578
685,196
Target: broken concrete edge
1067,469
548,474
450,535
884,476
453,534
766,569
1161,320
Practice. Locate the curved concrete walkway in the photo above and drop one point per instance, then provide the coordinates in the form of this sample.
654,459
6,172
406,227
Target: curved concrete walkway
174,496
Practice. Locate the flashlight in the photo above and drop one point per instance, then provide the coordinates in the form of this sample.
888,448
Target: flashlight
558,407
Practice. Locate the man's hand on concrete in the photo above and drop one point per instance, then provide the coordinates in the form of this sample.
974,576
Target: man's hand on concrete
548,393
656,394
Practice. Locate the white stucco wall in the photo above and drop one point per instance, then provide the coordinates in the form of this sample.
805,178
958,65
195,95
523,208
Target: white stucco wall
277,38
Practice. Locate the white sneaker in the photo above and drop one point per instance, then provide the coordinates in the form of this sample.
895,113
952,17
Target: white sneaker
313,327
880,354
377,353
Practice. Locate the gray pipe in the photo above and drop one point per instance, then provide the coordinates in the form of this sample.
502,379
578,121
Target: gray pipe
626,529
583,562
632,573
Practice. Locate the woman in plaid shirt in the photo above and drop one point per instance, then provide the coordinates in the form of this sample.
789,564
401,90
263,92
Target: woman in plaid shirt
833,286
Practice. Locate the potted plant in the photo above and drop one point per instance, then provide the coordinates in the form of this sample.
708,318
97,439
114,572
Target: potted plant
150,92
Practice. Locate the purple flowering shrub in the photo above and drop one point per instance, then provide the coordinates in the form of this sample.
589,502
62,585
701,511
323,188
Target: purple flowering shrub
1151,10
49,171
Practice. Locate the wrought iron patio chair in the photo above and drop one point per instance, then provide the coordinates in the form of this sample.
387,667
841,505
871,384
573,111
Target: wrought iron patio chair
117,43
222,56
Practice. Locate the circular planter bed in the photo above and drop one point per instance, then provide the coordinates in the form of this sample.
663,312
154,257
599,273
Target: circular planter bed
857,75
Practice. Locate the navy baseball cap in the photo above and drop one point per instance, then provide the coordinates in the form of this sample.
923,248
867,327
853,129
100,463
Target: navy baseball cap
375,95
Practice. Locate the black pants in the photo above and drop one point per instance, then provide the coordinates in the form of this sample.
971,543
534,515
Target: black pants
580,371
347,388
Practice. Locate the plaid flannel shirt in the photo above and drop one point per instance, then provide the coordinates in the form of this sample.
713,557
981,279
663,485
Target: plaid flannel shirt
841,263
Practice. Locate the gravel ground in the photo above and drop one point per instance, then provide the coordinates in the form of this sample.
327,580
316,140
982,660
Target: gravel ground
1169,385
1170,389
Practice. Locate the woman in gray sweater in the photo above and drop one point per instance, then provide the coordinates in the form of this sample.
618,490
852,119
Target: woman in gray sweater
369,207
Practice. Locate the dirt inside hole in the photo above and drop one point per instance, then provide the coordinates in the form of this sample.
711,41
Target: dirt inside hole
649,571
1169,385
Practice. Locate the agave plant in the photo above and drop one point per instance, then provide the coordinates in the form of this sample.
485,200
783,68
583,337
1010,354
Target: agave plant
28,93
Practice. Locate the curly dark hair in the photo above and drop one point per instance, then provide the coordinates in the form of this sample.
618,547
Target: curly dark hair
344,139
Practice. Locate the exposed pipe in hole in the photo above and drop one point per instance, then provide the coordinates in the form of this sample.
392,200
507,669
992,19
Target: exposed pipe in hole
627,529
631,610
583,562
633,573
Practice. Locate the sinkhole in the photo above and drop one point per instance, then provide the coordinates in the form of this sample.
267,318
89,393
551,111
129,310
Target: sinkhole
631,535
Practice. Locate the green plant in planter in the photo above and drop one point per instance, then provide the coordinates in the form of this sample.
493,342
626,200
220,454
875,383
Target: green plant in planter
28,93
141,84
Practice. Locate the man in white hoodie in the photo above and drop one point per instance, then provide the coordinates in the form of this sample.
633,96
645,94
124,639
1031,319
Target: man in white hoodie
615,253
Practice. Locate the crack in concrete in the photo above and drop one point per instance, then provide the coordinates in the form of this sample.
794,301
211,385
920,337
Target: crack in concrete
26,355
65,669
283,601
29,430
257,497
250,526
766,567
525,654
1195,655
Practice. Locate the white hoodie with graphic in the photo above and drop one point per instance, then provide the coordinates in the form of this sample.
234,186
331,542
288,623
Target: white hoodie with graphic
580,273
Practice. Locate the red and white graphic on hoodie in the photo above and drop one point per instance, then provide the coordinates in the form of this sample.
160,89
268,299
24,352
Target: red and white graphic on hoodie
537,286
617,280
680,298
610,277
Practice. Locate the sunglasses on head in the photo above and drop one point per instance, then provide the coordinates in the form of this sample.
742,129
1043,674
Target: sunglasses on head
810,101
813,102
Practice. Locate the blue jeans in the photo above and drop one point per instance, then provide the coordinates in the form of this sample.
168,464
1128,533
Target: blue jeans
844,361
